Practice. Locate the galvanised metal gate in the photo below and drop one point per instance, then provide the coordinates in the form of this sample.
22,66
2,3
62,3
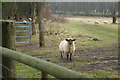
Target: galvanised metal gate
23,32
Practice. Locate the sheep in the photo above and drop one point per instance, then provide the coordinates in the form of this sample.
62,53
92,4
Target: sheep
105,22
80,20
29,19
67,47
44,19
96,22
24,21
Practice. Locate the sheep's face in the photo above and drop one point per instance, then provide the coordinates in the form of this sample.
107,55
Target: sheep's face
70,40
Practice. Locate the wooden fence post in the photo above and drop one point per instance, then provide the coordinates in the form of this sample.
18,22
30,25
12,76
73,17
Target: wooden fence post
8,41
44,76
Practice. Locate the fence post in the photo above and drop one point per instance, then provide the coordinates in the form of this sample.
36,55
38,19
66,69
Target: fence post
44,76
8,41
41,33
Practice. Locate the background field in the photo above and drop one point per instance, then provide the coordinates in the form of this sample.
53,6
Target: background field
96,52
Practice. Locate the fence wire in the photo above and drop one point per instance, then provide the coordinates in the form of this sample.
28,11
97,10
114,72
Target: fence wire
10,71
2,77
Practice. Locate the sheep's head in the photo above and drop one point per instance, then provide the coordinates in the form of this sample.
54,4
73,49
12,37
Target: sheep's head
70,40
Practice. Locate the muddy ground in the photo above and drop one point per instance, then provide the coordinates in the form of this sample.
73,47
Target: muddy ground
95,62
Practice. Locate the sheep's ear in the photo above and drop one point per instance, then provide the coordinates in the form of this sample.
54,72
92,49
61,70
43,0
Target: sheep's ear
73,39
66,39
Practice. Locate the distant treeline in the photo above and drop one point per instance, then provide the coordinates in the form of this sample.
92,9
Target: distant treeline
15,10
83,8
11,10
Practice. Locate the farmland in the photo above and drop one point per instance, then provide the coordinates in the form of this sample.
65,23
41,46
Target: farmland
96,52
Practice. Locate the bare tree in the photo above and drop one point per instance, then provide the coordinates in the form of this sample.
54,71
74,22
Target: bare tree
8,10
40,21
114,10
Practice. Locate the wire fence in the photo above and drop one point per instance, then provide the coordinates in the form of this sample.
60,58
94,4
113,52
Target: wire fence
10,71
3,77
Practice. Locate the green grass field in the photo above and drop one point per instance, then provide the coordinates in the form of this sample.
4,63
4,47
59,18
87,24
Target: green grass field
94,58
106,33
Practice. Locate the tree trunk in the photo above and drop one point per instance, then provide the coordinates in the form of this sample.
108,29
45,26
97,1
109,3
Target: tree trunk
41,25
8,41
34,30
114,19
41,33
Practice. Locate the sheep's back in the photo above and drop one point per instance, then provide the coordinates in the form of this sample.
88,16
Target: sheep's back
63,46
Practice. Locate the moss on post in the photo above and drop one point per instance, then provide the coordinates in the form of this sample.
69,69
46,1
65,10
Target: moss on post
8,41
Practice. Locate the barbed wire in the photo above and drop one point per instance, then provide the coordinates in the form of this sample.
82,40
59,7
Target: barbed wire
3,77
12,71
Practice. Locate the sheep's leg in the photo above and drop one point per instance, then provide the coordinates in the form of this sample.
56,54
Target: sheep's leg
70,56
61,55
67,56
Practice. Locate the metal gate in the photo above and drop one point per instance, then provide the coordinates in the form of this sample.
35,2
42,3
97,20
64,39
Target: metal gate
23,32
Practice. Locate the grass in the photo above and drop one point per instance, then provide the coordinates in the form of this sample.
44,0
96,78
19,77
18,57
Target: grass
84,32
107,34
27,71
101,74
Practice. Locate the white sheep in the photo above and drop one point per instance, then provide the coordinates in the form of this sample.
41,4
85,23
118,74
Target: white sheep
24,21
105,22
96,22
67,47
44,19
29,19
80,20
